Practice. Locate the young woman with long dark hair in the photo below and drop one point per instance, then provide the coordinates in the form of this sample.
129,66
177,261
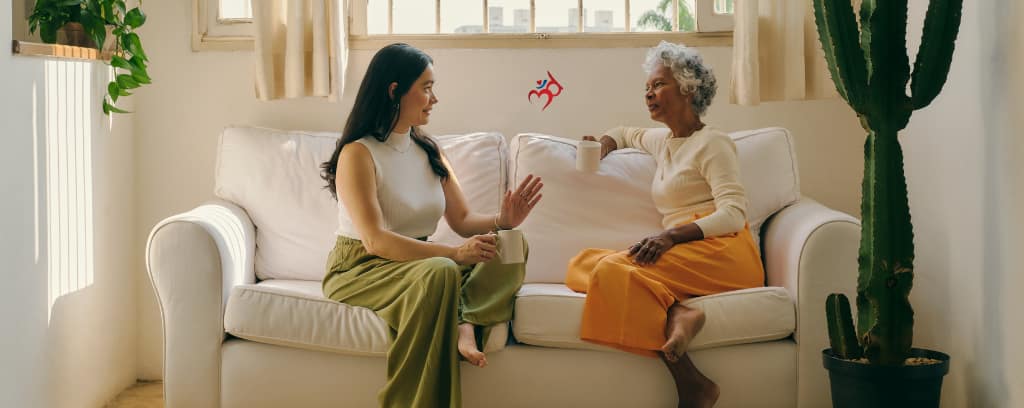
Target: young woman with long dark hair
393,183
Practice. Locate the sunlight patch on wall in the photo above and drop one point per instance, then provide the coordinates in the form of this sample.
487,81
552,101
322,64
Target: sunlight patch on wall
68,139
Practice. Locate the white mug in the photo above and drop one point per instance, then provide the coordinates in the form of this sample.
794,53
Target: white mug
588,156
510,247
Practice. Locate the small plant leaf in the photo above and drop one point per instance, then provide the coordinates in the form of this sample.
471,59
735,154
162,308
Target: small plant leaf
113,91
138,63
108,108
141,77
135,18
134,46
120,62
127,82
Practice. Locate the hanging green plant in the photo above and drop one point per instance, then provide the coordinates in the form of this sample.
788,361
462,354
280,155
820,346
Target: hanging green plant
49,16
98,17
129,60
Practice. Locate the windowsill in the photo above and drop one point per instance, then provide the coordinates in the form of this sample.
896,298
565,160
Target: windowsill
543,40
523,40
58,51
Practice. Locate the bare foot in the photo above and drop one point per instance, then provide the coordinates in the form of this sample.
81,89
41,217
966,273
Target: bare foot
703,393
682,325
467,346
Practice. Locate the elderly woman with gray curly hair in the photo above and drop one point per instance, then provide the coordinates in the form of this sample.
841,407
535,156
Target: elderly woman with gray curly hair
635,296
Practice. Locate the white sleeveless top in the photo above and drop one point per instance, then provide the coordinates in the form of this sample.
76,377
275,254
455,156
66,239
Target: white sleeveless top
409,193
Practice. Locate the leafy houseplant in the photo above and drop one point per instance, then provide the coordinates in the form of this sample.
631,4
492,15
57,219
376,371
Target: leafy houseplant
49,16
870,68
129,60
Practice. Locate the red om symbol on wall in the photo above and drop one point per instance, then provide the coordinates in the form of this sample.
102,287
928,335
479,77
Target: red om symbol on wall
544,90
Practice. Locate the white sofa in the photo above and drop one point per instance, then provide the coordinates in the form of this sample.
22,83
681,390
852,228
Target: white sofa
245,323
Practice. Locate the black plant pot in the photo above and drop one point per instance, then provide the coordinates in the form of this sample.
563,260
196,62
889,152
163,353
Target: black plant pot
857,385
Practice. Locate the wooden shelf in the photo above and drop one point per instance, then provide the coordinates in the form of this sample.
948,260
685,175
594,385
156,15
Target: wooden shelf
58,51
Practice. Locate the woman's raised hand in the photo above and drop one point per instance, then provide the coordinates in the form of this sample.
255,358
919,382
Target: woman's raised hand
476,249
517,204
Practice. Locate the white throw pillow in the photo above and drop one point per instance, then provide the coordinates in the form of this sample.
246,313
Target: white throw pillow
768,171
480,162
613,208
275,176
608,209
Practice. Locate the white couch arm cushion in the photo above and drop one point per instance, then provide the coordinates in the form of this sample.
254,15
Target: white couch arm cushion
194,259
811,250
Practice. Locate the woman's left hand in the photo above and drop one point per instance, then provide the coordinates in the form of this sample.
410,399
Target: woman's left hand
517,204
648,250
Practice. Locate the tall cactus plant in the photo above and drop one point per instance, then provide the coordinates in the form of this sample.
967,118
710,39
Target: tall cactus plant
870,69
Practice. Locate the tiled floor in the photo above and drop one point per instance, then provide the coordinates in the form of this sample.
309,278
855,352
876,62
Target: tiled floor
141,395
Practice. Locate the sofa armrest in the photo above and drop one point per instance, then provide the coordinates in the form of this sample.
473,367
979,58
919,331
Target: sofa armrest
811,250
193,260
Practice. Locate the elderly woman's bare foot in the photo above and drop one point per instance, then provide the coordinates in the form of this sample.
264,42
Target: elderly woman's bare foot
704,393
467,346
682,325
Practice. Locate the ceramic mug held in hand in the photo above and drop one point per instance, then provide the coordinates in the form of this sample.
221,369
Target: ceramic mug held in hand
588,156
510,247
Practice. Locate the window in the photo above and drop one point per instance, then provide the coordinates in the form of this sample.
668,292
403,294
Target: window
221,25
498,23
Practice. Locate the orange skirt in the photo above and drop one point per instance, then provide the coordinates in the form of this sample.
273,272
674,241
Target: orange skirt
627,304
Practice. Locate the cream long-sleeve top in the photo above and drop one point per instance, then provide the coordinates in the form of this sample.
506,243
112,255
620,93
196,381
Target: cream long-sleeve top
698,174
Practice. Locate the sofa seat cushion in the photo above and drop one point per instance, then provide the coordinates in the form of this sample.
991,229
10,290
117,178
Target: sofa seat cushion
295,313
549,315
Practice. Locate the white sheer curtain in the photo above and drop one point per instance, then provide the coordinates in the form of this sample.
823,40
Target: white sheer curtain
301,48
776,53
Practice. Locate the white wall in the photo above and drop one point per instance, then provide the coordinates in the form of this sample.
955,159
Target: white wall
964,176
67,300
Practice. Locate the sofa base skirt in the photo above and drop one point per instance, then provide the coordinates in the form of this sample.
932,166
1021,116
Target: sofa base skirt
256,375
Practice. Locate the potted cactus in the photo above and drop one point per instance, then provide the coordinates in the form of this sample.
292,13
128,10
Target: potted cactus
875,366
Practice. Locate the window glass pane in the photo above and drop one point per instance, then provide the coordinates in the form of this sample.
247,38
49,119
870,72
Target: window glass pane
656,15
235,9
557,16
509,16
724,6
414,16
687,21
376,16
650,15
462,16
604,15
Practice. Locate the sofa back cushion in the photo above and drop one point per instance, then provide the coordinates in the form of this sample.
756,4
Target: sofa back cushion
613,207
480,161
275,176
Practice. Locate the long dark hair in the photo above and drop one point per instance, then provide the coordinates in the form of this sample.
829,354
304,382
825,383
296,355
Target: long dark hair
375,112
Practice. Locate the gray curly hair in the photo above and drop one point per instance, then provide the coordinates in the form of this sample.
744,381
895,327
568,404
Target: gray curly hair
688,69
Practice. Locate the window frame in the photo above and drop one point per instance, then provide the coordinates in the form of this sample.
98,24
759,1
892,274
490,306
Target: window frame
212,33
713,29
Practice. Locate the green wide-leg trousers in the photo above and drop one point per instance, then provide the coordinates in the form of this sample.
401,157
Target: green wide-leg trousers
423,301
